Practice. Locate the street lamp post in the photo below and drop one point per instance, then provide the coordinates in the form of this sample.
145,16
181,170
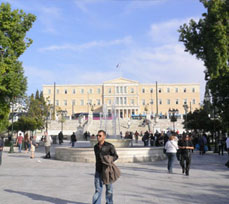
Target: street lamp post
12,130
185,106
62,119
173,118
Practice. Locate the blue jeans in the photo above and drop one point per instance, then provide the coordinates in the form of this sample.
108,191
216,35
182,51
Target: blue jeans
171,158
19,147
99,189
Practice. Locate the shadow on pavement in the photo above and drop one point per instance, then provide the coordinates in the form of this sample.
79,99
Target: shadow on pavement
44,198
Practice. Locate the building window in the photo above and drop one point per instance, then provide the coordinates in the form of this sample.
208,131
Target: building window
132,90
125,100
73,91
57,91
132,101
90,91
82,91
193,101
176,90
151,90
185,101
82,102
151,101
49,91
109,90
117,89
125,89
65,102
65,91
143,90
168,101
109,101
159,90
73,102
117,100
121,89
193,90
98,91
185,90
160,101
121,100
89,102
143,102
168,90
57,102
177,101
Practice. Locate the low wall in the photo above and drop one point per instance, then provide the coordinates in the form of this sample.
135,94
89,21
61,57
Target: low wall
126,155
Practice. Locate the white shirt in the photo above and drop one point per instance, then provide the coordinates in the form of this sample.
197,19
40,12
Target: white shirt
171,146
227,142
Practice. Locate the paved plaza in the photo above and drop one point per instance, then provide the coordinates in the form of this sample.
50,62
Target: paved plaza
25,181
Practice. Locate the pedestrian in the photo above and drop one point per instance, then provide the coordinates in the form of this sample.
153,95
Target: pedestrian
186,147
102,149
47,144
136,134
60,137
145,139
1,149
221,146
152,140
201,143
73,139
26,142
227,144
19,141
171,149
33,146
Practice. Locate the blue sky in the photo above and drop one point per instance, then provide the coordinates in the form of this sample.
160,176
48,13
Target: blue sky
82,41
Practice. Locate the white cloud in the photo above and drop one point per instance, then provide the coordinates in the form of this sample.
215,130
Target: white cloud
165,64
71,74
167,32
140,4
83,5
48,18
88,45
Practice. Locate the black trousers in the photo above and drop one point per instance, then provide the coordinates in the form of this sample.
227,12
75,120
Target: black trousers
185,161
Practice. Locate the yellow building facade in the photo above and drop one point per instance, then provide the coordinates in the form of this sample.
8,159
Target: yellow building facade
127,96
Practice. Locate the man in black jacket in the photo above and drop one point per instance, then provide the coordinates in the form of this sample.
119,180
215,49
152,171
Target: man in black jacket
101,149
186,146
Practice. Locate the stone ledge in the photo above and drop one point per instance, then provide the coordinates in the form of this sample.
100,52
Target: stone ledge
126,155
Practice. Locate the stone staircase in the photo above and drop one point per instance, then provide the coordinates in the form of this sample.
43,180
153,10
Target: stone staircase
93,126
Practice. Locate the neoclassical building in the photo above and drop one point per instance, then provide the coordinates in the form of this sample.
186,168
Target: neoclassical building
129,97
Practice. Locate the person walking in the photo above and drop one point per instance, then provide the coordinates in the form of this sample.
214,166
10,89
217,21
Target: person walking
171,149
227,144
47,144
33,145
19,141
60,137
73,139
26,142
136,134
102,149
1,149
186,147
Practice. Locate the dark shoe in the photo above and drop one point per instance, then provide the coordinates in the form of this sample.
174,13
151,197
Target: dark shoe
187,173
182,171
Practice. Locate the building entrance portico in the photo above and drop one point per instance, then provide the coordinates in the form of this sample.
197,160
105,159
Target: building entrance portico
124,113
